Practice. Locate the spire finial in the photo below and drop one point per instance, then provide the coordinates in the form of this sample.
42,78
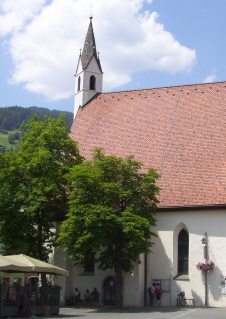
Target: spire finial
91,16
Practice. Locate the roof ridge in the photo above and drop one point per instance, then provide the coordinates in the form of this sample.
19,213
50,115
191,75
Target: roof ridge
165,87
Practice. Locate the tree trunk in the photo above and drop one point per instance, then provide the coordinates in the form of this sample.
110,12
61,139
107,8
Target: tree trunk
41,257
119,286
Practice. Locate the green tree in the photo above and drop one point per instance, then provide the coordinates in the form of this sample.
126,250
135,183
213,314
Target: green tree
33,187
112,203
13,137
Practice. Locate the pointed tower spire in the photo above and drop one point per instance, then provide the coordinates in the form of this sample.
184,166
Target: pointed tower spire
89,49
89,73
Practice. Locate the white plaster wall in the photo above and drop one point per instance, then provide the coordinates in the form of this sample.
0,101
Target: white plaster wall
78,99
60,259
93,66
141,283
82,281
98,77
79,67
84,95
162,263
133,287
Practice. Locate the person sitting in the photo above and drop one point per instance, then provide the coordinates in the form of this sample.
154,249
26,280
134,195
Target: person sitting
76,296
94,295
87,296
69,301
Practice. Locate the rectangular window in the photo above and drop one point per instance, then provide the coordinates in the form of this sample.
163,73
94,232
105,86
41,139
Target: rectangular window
18,280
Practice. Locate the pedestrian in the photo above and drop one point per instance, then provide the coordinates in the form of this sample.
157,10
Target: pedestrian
158,291
151,292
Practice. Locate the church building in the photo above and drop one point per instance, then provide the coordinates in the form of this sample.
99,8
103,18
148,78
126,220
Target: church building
181,131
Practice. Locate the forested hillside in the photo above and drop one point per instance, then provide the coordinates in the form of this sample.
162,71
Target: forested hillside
12,117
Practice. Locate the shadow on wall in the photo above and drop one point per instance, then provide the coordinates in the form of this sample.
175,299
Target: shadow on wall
158,270
159,260
198,300
214,283
213,286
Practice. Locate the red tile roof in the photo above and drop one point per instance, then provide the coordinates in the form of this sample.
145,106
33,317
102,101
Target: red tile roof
180,130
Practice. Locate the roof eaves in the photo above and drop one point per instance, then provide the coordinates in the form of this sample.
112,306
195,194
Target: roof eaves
190,208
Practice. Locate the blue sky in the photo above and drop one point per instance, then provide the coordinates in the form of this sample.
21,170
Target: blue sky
142,44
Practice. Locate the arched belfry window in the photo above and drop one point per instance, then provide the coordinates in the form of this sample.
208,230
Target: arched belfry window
183,252
92,83
79,83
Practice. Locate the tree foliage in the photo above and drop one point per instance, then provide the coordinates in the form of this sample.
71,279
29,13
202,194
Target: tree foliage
32,186
112,203
13,137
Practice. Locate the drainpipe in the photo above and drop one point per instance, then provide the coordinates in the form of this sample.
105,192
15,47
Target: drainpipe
206,287
205,242
145,279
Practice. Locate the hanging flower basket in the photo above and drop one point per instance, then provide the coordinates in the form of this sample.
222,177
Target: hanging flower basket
205,266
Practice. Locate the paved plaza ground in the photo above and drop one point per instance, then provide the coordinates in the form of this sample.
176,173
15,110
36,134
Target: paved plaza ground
87,312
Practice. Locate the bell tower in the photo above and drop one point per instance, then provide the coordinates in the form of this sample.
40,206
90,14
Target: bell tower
89,75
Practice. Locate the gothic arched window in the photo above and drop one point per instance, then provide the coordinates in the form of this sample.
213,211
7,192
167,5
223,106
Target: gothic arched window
79,83
183,252
92,82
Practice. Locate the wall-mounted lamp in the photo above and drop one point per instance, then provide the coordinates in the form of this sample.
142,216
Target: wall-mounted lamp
205,248
205,252
204,241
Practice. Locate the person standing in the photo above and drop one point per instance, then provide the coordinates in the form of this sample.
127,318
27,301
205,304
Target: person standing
151,292
158,294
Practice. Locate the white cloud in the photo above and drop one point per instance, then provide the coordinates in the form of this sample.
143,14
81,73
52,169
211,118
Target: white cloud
14,14
210,78
45,42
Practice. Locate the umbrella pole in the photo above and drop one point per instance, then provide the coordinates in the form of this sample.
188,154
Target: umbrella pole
44,287
1,300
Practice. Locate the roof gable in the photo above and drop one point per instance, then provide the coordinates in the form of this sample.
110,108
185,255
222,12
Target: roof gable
93,65
79,67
